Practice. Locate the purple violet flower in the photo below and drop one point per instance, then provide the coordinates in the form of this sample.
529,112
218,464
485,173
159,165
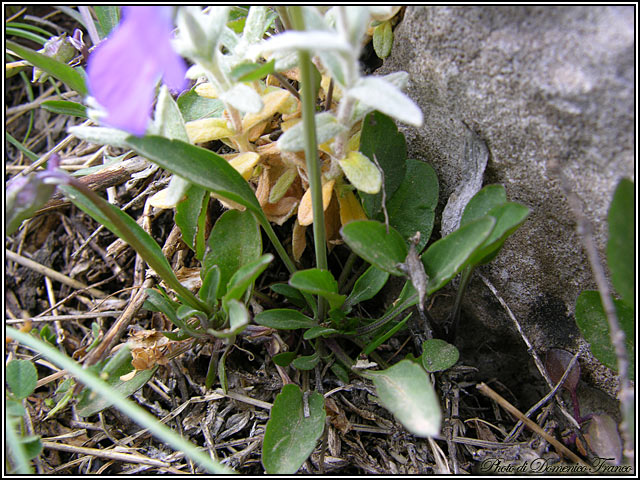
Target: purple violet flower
124,69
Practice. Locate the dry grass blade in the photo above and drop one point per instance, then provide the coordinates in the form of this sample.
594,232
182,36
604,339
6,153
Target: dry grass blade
110,454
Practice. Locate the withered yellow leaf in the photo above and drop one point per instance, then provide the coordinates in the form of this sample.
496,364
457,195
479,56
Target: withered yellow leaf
305,210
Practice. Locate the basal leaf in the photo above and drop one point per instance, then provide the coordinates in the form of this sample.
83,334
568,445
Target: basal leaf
406,391
234,241
438,355
594,326
292,430
244,277
449,255
487,198
284,319
318,282
509,216
21,377
412,208
238,319
366,286
380,138
621,244
370,240
63,72
190,217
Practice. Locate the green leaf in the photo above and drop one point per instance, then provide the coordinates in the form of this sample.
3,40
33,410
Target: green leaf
307,362
194,107
366,287
197,165
406,391
117,366
449,255
412,208
509,217
234,241
438,355
370,240
108,18
244,278
65,107
191,218
284,359
32,445
592,322
238,319
290,293
164,305
318,282
284,319
487,198
385,336
249,72
59,70
621,244
21,377
319,331
210,281
291,433
380,138
383,39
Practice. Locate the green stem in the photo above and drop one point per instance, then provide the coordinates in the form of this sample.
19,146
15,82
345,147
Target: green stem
455,313
311,152
133,411
131,239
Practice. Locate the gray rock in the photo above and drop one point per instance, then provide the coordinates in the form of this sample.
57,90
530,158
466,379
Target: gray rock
536,84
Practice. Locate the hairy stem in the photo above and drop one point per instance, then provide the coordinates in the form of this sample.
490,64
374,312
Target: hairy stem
311,153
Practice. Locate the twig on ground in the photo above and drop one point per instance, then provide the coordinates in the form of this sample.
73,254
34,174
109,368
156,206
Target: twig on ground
560,448
531,350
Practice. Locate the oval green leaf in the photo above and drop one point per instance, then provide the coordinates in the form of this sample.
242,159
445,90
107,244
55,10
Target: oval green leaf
406,391
412,208
244,277
21,377
284,319
449,255
487,198
319,282
234,241
380,138
509,216
621,244
369,239
291,433
438,355
366,287
592,322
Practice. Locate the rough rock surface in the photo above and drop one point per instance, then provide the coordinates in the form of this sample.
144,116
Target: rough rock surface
537,84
